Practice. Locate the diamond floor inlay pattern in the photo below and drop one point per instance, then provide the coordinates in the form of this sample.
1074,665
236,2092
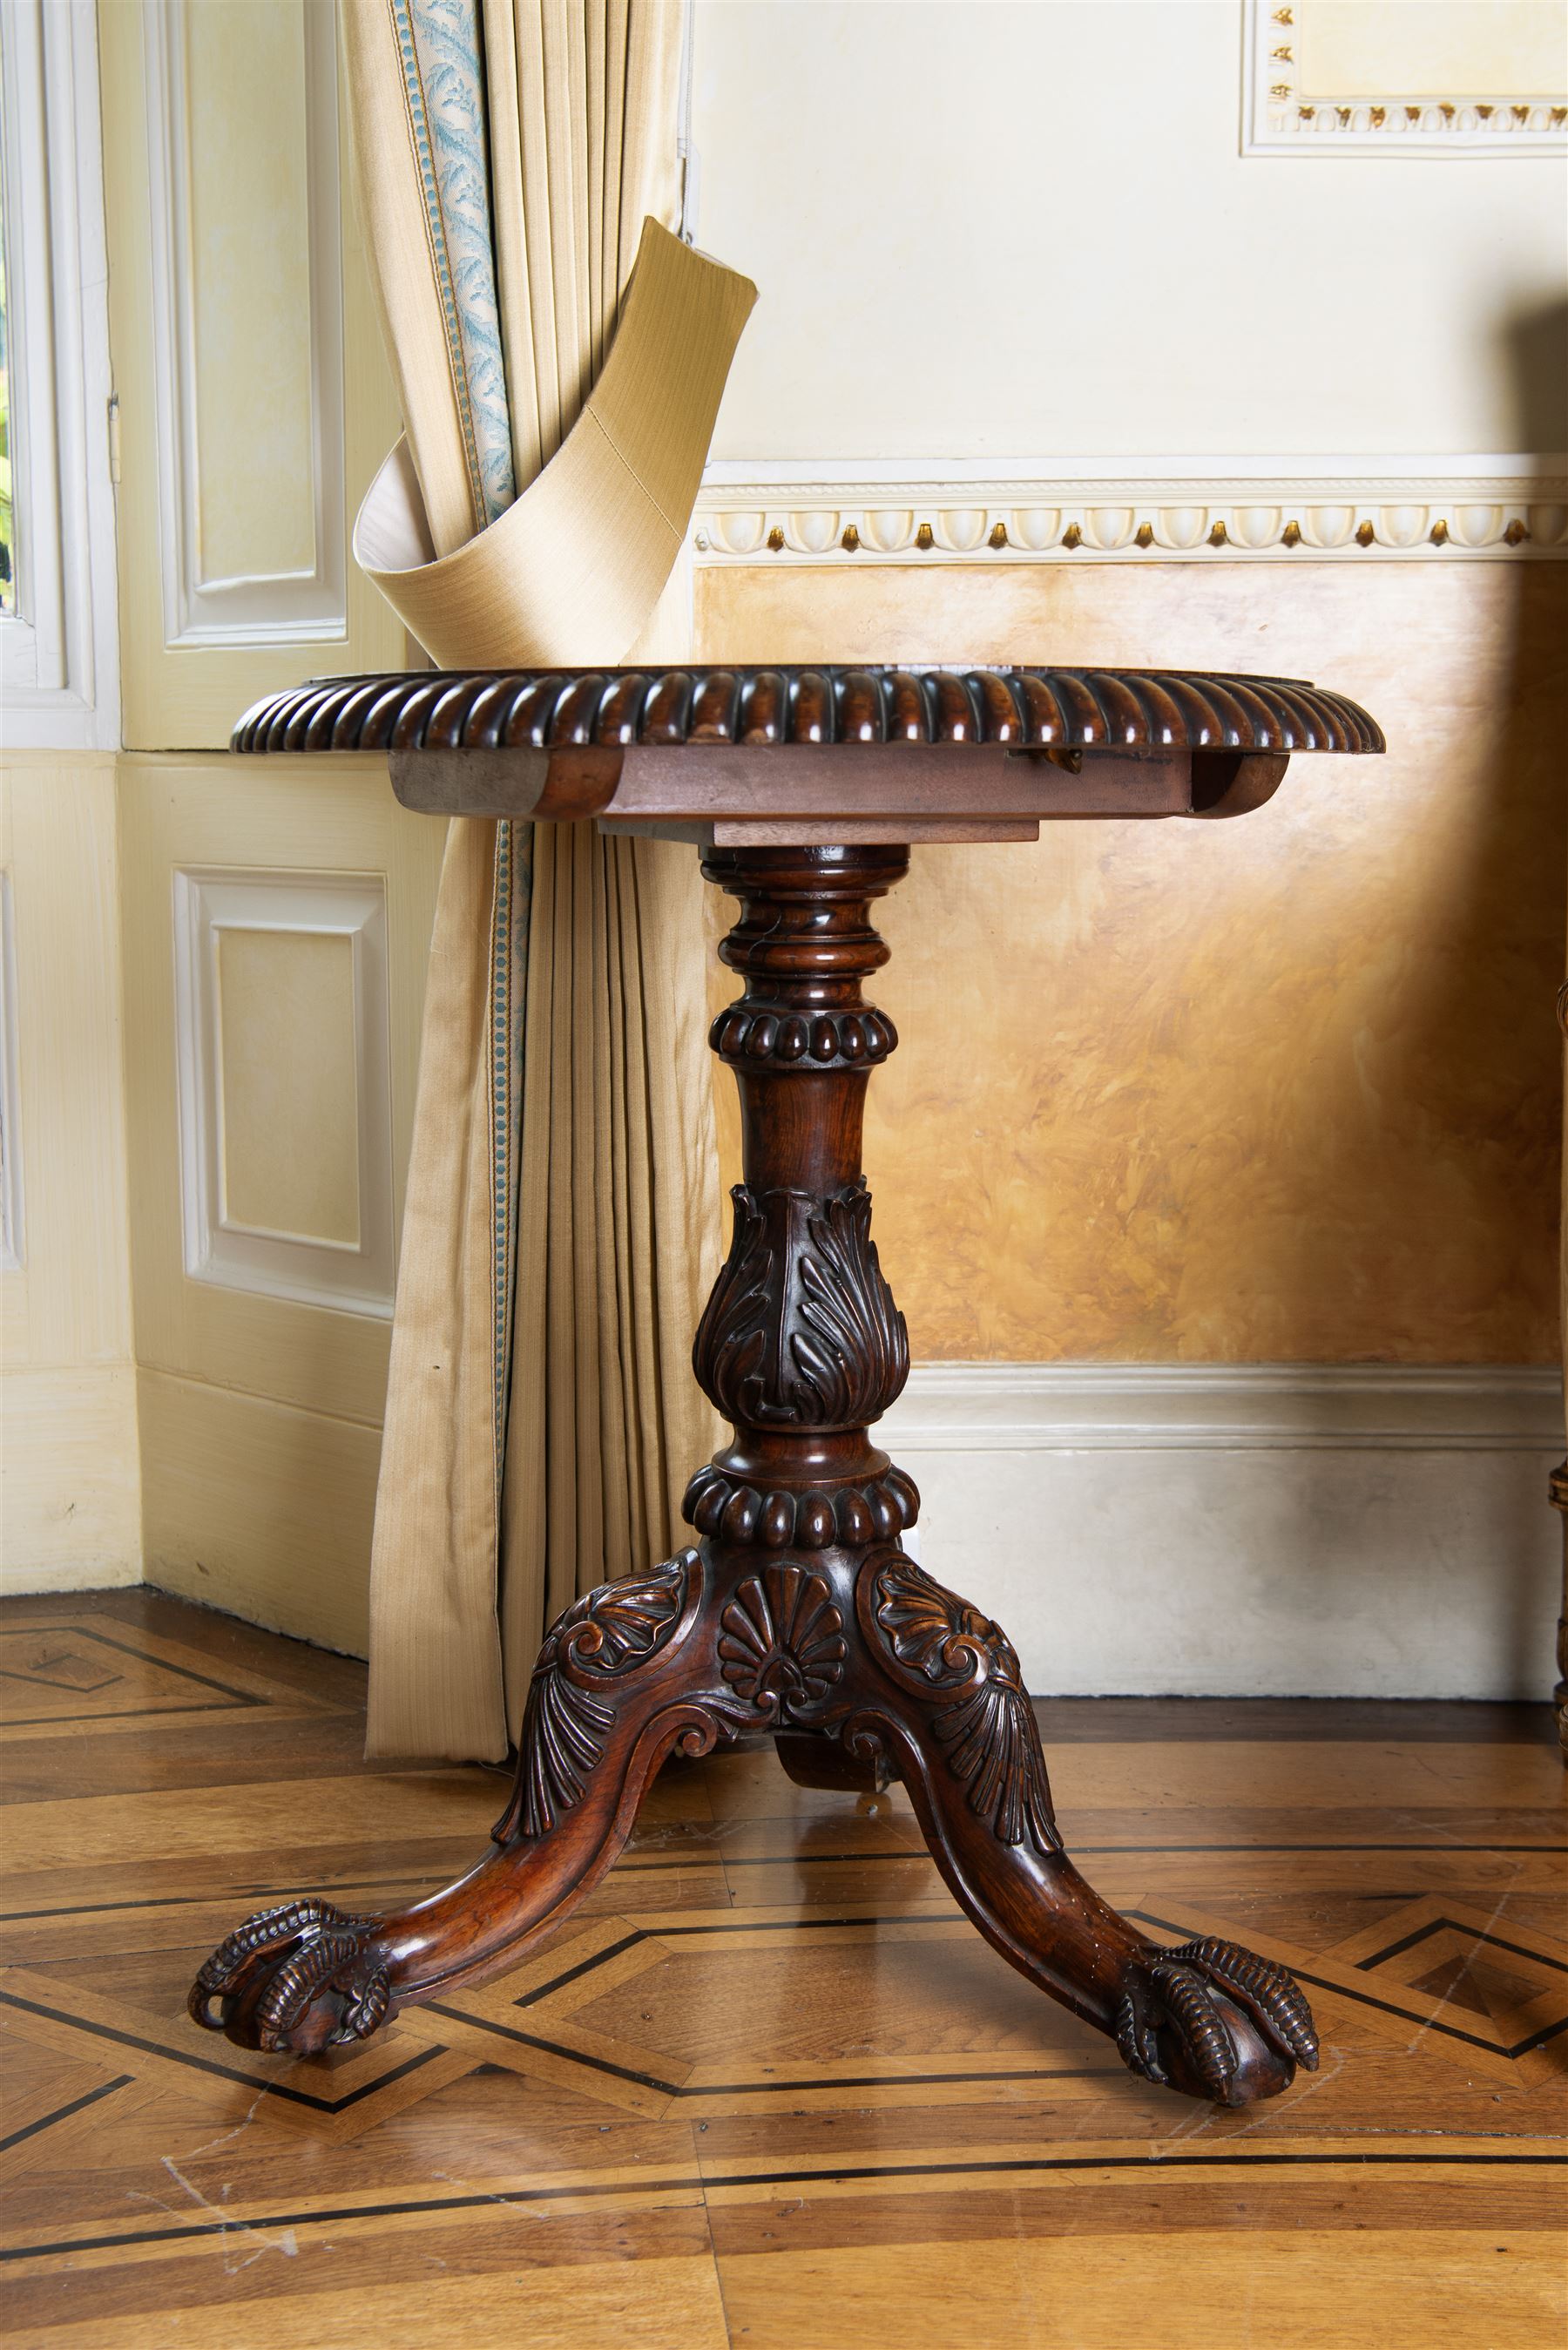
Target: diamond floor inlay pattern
768,2087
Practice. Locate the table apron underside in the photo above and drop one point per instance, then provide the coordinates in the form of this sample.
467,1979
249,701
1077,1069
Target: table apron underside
898,790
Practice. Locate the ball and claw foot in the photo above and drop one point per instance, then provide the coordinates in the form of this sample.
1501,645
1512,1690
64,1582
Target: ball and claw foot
300,1978
1172,2028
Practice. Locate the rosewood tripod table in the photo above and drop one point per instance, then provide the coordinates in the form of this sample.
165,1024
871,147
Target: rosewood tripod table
797,1611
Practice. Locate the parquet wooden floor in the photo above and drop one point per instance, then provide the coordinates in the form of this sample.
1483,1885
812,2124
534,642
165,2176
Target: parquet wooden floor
768,2089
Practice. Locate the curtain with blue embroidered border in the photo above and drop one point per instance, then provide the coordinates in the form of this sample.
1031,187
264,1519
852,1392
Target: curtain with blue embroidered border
561,1229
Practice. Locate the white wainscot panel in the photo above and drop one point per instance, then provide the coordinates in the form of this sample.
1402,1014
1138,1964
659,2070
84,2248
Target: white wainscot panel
281,1018
248,303
1246,1531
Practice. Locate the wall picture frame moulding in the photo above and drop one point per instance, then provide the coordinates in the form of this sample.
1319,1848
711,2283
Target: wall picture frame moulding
1421,84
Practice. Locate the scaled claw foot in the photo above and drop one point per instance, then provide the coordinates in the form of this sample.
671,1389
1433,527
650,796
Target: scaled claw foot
302,1977
1183,2023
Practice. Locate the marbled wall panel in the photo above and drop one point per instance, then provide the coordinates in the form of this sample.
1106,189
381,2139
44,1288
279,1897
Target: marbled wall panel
1284,1089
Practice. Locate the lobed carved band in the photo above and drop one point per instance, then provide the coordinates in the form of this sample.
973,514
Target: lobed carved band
728,1510
770,1035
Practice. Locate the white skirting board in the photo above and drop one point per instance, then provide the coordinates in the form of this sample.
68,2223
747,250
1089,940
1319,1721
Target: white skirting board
1248,1530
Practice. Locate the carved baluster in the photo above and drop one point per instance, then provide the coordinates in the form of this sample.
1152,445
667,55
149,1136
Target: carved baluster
802,1347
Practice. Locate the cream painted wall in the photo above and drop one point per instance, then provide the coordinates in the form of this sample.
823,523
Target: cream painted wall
70,1502
276,926
985,230
1360,48
250,241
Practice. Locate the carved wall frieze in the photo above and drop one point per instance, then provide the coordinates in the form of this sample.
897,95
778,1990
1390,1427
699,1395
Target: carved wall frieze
1199,519
801,1330
774,1036
782,1641
610,1631
989,1736
877,1509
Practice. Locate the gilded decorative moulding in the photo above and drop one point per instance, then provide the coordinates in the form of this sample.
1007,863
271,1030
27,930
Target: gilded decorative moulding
781,513
1453,80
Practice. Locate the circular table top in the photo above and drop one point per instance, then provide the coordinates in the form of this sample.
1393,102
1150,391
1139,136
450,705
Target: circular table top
839,706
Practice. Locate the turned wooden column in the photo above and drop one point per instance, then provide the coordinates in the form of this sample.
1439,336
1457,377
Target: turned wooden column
802,1347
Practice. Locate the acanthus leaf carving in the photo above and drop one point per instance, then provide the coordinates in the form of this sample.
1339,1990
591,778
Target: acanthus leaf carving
801,1330
611,1630
989,1734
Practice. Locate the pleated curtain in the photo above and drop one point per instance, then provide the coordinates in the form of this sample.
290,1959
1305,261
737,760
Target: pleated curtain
562,1220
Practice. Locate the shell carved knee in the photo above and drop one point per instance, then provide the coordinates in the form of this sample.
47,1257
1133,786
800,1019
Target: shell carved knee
607,1636
936,1643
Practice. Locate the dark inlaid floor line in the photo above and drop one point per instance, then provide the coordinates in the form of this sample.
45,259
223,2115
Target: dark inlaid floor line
142,1655
126,1713
1471,1934
765,2088
1524,2047
292,1891
276,2088
768,2087
346,2215
584,1966
731,1925
793,1924
64,2112
807,1994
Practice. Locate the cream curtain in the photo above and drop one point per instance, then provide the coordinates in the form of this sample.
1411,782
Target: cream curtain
562,1220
